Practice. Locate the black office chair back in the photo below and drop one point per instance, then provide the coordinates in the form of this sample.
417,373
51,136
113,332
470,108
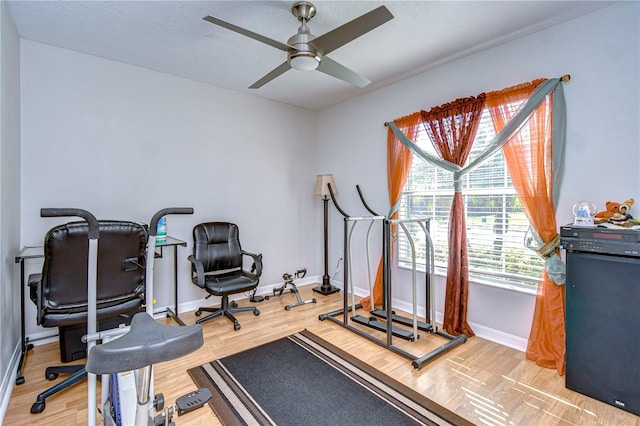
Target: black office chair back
217,246
62,295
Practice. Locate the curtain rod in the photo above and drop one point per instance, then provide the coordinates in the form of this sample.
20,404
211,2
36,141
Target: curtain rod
564,79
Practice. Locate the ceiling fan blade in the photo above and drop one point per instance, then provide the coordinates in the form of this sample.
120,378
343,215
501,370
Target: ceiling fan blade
334,69
248,33
342,35
281,69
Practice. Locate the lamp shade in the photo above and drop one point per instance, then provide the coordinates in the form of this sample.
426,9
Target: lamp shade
321,185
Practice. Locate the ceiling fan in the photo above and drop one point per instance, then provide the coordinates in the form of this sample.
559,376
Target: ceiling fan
306,52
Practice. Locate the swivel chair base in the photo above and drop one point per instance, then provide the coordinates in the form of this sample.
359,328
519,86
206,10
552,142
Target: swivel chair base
79,374
227,310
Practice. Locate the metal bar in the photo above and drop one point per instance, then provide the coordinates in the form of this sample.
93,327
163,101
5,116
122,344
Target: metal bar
92,322
386,273
414,281
345,265
415,220
366,206
418,363
368,246
24,342
358,218
323,317
348,254
425,326
373,339
175,317
335,202
175,281
380,326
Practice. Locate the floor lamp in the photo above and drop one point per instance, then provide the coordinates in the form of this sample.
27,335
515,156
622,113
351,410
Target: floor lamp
322,189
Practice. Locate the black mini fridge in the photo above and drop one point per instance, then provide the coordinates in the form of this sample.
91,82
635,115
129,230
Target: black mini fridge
603,314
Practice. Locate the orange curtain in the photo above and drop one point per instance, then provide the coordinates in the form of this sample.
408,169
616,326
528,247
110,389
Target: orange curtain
452,128
528,154
398,165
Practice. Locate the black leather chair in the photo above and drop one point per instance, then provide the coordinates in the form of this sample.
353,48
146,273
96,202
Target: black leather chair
61,292
217,267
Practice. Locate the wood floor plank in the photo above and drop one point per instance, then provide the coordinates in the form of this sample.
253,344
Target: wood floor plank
480,380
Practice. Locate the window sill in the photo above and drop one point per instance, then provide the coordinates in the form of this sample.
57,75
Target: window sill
485,282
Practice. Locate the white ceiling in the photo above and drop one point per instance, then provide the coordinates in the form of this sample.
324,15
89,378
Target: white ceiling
172,37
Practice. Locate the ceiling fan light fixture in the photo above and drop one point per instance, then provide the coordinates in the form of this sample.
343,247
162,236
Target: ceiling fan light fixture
306,52
304,61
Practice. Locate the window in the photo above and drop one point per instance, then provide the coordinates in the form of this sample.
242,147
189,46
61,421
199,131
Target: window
496,223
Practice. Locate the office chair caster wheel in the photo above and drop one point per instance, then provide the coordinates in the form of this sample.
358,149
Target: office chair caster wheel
198,313
287,308
313,301
233,304
256,312
37,407
20,380
51,376
236,326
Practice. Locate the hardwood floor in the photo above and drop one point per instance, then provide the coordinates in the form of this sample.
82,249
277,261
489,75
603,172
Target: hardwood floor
482,381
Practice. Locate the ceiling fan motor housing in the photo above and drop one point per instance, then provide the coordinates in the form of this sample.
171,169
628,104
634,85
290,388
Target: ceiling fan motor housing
305,57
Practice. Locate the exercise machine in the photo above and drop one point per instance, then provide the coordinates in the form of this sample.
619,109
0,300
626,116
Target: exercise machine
288,281
138,346
385,320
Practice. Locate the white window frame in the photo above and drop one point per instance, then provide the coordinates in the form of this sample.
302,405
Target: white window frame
479,224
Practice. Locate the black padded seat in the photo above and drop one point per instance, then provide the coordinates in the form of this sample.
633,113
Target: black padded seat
231,283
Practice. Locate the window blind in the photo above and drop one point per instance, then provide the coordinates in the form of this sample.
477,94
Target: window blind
496,222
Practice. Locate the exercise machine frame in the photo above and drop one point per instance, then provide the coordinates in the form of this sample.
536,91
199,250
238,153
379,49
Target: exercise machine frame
387,327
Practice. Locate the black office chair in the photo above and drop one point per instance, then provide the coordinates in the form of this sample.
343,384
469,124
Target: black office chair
217,267
61,293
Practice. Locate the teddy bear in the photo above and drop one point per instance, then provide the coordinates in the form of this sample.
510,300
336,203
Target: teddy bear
612,208
617,212
624,212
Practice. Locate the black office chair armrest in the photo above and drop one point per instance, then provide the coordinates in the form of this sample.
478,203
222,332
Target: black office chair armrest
257,262
199,271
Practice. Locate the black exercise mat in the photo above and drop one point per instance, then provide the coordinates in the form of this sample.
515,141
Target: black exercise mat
304,380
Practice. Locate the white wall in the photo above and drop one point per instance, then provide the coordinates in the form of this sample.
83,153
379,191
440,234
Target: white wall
9,202
601,53
124,142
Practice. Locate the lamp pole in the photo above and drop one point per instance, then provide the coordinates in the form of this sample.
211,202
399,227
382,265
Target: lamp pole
326,287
